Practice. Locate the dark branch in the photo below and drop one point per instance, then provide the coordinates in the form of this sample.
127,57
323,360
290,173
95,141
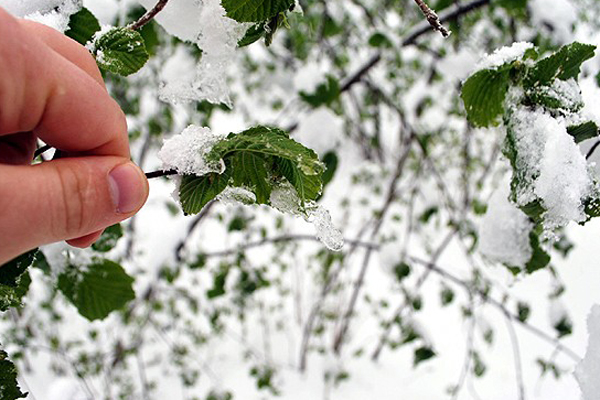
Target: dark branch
158,174
149,16
592,150
41,151
457,12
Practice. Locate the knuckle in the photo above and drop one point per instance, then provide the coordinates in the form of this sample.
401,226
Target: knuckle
73,214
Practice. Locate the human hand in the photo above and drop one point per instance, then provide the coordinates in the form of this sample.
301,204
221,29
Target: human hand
51,88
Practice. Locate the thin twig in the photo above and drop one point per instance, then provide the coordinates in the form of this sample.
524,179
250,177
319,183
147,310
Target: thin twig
516,354
149,16
158,174
41,151
484,295
433,18
281,239
592,150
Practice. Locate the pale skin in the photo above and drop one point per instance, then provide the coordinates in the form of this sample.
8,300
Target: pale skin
51,89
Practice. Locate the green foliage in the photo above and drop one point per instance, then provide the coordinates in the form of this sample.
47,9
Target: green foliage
563,64
196,191
423,353
325,93
9,387
258,159
109,239
255,10
96,289
82,26
120,51
483,95
401,271
14,280
583,131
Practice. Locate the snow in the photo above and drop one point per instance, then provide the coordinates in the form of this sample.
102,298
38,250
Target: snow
53,13
504,55
185,152
285,199
504,231
556,171
236,196
566,92
564,180
587,371
205,24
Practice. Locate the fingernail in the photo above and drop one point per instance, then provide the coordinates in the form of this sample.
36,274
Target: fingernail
127,187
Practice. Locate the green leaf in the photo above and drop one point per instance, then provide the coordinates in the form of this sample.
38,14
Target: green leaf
97,289
584,131
483,95
309,187
11,272
109,239
15,280
422,354
269,142
82,26
563,64
330,159
255,10
523,311
250,171
9,387
539,259
196,191
280,154
401,271
325,94
120,51
253,34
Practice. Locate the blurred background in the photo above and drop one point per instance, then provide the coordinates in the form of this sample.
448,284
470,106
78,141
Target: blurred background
242,302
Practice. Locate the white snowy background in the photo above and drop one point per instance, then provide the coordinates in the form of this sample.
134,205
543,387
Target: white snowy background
392,376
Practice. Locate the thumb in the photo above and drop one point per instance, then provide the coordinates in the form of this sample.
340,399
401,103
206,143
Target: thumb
65,199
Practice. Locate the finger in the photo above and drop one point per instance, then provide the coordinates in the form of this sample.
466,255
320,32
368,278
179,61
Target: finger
86,241
65,199
43,92
17,148
66,47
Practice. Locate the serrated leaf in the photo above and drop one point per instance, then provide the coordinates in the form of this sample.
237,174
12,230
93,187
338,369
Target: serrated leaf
249,170
82,26
196,191
109,239
97,289
9,387
483,95
309,187
584,131
269,142
255,10
121,51
563,64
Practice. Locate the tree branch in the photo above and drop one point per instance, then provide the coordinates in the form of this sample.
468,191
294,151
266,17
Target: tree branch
149,16
158,174
433,18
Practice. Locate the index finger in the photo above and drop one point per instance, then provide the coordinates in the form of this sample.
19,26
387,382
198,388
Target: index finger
43,92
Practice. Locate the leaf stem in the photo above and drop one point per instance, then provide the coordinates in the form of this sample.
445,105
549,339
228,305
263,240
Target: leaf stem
149,16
